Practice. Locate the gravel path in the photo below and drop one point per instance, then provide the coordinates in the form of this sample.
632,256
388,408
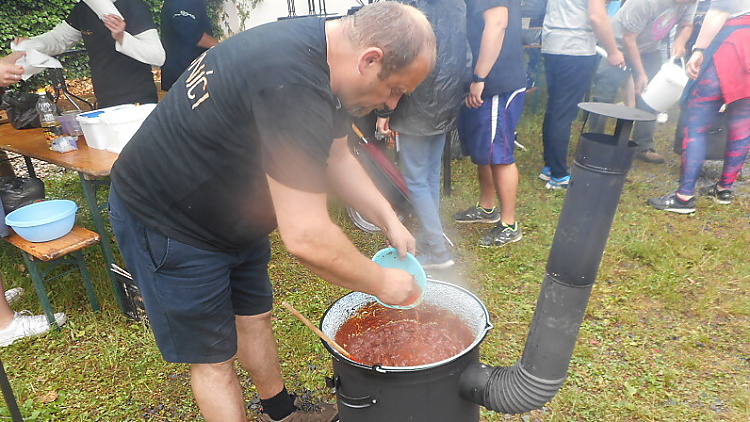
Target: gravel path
43,169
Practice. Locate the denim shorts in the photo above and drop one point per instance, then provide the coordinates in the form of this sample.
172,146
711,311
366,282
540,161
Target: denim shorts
192,295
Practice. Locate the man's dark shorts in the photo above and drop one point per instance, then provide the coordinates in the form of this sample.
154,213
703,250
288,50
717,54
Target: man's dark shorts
192,295
488,133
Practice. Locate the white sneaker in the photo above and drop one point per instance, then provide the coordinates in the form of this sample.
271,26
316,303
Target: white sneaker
13,294
26,325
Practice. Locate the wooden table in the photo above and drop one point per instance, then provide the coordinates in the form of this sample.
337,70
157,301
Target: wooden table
31,143
93,167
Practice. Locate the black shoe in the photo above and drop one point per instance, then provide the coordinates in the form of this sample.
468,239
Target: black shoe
502,235
308,412
477,214
723,197
673,203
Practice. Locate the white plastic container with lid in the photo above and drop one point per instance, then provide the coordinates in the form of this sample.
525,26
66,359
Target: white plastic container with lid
99,135
125,123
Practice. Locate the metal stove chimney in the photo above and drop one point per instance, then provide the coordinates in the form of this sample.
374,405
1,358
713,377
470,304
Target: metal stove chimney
597,177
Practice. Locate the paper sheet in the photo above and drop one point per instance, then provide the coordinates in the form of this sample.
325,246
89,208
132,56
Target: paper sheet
103,7
34,61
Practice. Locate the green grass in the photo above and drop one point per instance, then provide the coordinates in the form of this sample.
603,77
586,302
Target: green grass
665,337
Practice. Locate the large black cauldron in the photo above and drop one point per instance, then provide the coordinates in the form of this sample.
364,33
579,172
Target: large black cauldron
415,393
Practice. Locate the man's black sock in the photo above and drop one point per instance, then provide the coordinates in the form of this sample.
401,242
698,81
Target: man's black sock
279,406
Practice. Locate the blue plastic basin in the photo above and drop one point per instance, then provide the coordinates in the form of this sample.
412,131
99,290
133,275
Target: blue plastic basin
388,258
43,221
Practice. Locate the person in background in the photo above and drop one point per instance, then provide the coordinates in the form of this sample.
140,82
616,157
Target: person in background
423,120
533,10
639,27
268,129
493,107
10,73
121,50
186,33
569,37
720,68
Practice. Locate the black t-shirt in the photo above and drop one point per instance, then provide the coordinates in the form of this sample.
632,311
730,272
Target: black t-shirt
508,73
117,78
258,103
183,23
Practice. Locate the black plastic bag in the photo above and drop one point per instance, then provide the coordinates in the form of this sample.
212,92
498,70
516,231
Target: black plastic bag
21,107
16,192
3,227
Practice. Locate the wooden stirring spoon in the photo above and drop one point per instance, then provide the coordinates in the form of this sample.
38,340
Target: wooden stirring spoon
317,331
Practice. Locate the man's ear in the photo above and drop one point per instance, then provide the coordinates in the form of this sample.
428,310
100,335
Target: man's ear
372,56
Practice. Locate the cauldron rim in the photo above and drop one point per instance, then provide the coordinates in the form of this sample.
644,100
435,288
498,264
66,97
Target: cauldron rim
479,335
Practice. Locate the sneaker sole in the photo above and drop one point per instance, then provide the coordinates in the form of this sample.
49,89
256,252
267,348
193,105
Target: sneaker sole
680,210
442,266
544,177
494,220
555,187
720,201
676,210
504,244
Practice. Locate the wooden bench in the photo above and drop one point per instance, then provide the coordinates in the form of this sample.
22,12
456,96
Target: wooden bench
66,249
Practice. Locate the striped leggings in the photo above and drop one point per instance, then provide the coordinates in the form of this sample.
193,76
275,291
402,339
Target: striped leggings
705,101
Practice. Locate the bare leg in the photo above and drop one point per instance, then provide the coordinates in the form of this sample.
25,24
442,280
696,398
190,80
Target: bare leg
505,178
216,386
217,391
258,355
6,314
486,187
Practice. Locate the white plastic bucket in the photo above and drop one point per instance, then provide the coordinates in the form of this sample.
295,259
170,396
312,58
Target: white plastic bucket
124,124
666,87
97,132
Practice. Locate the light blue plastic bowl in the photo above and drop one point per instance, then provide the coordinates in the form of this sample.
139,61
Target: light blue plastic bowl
43,221
388,258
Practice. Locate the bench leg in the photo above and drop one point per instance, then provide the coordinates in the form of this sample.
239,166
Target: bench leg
41,291
87,281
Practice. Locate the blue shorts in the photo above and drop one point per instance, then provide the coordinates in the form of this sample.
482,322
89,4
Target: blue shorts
488,133
192,295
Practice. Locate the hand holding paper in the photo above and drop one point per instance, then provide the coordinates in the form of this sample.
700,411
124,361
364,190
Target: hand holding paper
10,73
33,61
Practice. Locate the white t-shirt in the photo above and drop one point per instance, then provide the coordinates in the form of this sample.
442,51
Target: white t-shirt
567,29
